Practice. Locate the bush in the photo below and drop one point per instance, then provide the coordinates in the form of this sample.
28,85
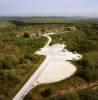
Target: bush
9,61
26,35
88,95
28,56
28,96
72,96
46,93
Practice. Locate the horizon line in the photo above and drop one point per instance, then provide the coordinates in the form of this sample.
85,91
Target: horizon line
49,16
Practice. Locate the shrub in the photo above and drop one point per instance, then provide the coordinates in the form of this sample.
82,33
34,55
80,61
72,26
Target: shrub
9,61
26,35
46,93
88,95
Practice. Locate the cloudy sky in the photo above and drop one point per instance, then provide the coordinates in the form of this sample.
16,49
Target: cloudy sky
49,8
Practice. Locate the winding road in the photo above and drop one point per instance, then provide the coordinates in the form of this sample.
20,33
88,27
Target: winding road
32,82
56,53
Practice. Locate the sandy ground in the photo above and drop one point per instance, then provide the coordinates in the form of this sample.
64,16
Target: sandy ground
56,71
54,68
59,67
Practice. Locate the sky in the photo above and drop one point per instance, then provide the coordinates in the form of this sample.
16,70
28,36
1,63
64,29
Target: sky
87,8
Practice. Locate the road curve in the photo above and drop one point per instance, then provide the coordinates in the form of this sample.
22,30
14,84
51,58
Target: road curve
49,41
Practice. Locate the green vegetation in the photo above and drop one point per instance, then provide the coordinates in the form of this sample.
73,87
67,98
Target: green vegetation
17,60
85,41
88,67
87,94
